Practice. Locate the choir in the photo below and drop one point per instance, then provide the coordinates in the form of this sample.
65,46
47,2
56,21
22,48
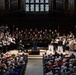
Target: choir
43,38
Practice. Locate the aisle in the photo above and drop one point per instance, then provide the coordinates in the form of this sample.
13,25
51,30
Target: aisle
34,67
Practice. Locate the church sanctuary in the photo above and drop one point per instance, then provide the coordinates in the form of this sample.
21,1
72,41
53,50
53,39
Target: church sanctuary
37,37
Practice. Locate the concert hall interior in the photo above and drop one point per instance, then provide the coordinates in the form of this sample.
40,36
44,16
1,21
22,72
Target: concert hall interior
37,37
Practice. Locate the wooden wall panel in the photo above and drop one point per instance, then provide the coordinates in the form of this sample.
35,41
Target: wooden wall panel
59,6
2,5
70,5
13,6
66,5
54,4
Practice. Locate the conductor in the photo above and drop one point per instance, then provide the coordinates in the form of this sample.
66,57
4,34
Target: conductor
34,44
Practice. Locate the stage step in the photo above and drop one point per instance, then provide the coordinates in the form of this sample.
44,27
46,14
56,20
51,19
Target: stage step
35,56
38,52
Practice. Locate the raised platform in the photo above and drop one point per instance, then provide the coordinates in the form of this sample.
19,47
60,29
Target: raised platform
34,52
35,57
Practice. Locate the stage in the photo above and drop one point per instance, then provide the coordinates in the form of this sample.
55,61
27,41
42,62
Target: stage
36,52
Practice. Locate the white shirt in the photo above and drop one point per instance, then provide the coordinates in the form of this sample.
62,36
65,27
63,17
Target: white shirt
4,43
49,73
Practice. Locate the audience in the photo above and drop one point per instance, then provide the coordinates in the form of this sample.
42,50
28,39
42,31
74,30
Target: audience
12,64
59,64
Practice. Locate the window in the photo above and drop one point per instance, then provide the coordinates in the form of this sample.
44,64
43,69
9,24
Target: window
32,1
37,1
46,7
32,7
27,7
27,1
46,1
42,7
37,7
41,1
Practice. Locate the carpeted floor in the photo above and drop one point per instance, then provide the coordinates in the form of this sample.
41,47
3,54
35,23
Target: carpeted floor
34,67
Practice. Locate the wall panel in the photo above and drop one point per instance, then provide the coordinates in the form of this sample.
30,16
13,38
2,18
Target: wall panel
2,6
13,6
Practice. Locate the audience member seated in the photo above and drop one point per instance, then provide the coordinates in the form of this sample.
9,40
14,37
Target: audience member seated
59,64
12,64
